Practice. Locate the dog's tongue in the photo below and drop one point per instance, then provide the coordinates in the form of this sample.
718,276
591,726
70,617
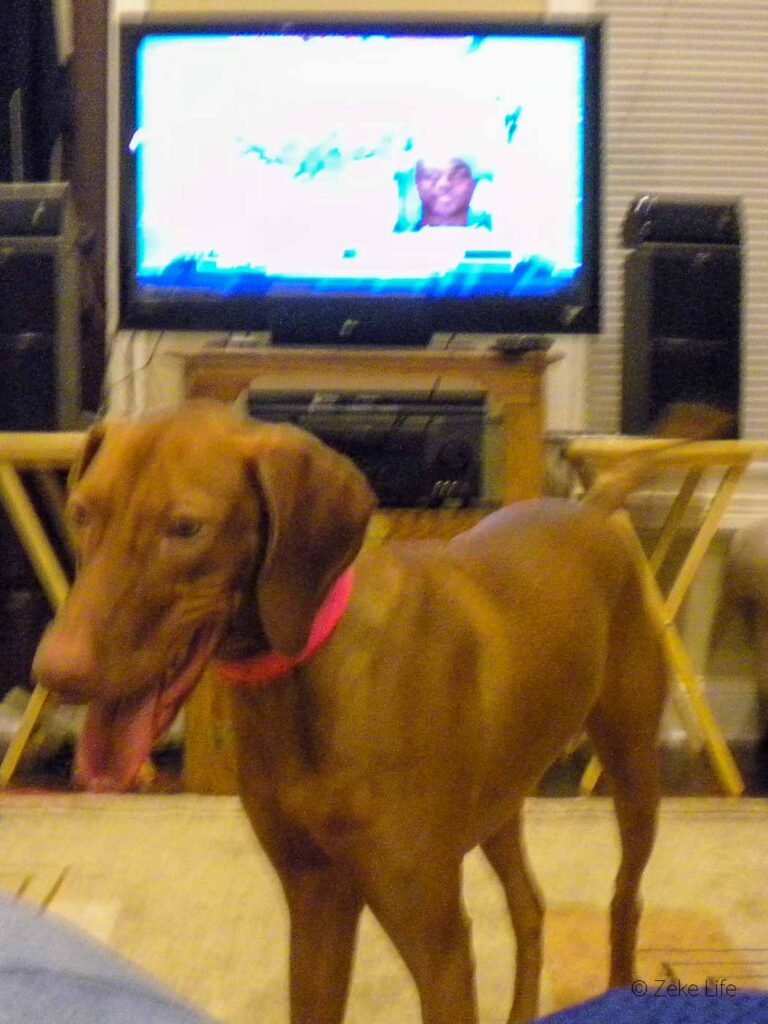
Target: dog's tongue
118,735
116,739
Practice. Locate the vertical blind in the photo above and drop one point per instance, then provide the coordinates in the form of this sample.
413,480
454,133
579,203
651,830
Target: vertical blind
686,105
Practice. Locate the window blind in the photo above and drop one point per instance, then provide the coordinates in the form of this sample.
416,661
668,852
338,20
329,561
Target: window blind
686,105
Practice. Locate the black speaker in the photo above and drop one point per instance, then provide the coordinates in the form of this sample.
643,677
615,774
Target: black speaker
39,309
27,388
24,614
673,218
682,330
24,211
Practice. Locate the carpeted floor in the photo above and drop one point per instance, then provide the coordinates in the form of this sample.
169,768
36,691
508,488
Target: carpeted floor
178,885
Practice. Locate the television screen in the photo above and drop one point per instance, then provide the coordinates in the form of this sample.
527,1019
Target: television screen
325,177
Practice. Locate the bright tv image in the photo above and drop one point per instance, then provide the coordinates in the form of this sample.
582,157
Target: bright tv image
368,163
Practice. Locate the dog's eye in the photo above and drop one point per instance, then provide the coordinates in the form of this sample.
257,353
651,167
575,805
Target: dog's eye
184,527
79,516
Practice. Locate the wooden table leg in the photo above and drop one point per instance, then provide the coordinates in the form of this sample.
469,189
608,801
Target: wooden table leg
29,529
674,519
703,539
32,535
24,730
688,690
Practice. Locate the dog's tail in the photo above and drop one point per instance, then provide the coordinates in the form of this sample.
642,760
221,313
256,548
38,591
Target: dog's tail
682,423
611,488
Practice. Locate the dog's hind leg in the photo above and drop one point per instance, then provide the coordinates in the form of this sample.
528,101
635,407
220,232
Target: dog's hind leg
634,778
506,854
624,728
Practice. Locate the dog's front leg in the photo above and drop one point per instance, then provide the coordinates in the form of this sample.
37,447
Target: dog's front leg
324,908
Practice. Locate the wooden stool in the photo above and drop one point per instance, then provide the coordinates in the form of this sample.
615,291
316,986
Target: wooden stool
690,461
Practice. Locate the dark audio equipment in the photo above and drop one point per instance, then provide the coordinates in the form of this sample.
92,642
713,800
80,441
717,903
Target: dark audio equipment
39,377
39,309
24,211
27,377
671,218
682,330
418,449
24,614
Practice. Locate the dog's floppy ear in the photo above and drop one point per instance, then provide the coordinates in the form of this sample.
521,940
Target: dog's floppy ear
92,443
94,439
319,505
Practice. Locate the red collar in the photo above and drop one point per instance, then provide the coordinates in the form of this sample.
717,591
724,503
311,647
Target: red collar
264,668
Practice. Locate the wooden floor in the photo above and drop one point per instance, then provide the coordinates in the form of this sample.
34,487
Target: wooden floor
683,774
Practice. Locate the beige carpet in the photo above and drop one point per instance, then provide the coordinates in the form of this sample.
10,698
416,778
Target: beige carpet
178,885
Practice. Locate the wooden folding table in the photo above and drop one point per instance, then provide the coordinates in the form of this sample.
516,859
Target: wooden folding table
40,457
691,463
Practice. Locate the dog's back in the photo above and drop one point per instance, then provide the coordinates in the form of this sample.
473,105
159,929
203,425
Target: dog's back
518,629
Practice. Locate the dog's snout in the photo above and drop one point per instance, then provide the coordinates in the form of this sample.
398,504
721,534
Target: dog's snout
65,664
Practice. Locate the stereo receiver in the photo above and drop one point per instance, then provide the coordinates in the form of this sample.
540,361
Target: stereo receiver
418,449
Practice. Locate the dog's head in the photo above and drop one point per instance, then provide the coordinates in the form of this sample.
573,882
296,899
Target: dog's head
196,534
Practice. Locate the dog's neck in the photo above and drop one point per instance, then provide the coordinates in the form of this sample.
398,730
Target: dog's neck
267,666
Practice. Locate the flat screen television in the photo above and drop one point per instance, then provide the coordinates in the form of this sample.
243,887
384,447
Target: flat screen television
359,183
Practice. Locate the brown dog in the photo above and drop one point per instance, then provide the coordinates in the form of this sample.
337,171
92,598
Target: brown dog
454,677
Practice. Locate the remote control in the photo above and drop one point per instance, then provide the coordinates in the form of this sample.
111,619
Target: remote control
517,344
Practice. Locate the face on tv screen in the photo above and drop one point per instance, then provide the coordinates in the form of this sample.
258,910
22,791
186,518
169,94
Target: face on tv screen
322,164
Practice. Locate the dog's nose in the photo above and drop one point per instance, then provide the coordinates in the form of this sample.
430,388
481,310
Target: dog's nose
65,664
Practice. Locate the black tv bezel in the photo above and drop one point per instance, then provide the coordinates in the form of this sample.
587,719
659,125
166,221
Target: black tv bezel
392,317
